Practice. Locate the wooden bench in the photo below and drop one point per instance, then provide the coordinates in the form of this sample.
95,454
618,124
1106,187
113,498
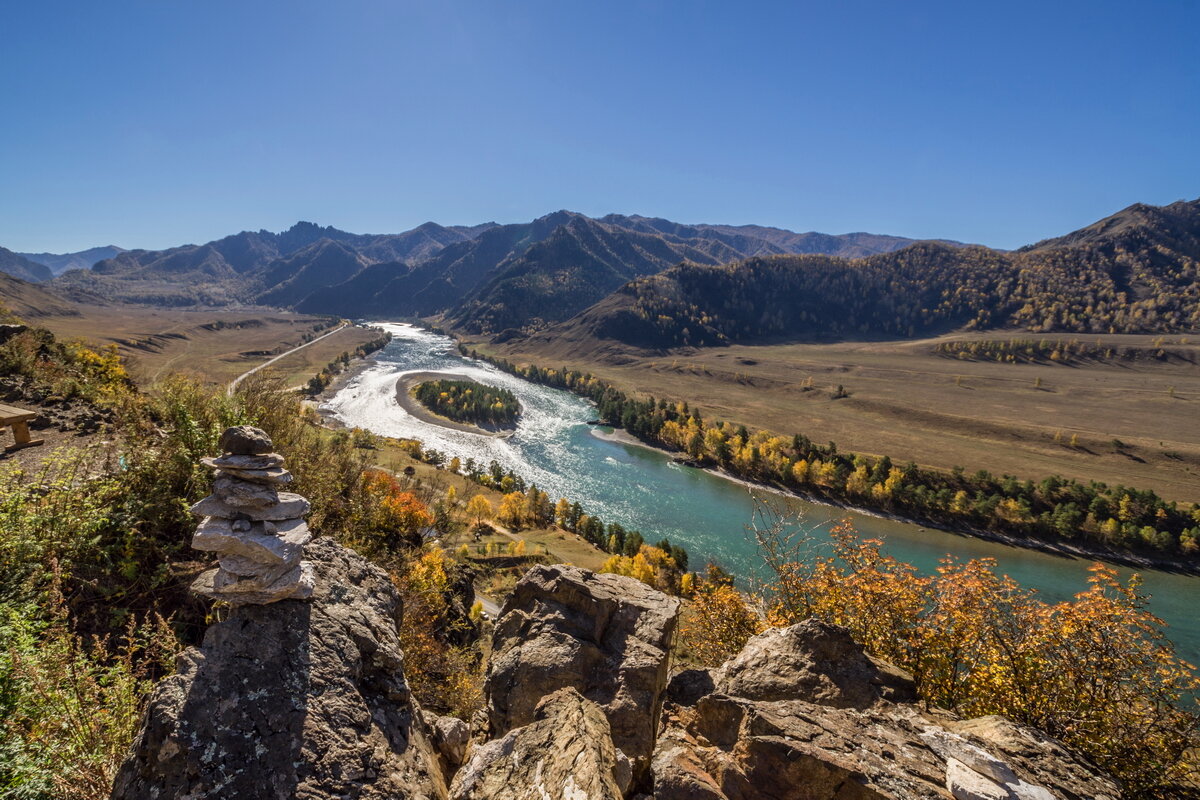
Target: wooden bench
18,420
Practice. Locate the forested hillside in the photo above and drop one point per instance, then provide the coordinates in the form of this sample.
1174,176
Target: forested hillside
580,263
1138,271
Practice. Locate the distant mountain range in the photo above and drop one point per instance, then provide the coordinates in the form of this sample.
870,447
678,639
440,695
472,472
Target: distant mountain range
21,267
238,269
484,278
84,259
651,282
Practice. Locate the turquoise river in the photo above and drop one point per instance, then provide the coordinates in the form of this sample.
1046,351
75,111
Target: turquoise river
644,489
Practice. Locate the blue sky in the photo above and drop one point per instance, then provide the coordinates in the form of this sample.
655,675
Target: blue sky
149,124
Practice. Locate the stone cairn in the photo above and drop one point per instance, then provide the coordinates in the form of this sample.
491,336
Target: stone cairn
257,531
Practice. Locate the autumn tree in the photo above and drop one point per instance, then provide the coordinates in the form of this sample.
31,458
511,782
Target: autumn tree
479,509
717,623
395,515
562,513
512,510
445,676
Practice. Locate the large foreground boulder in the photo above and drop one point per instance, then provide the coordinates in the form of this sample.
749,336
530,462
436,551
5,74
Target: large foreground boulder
802,713
606,636
566,753
297,699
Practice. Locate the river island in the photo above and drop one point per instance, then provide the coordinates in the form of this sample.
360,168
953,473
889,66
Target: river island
459,403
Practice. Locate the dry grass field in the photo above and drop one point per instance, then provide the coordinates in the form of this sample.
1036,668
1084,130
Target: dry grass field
1133,421
217,345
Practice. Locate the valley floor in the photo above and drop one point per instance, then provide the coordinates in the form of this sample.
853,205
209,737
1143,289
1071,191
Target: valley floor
217,345
1133,421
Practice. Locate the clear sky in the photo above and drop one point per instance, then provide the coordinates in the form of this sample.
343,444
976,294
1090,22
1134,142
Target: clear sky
150,124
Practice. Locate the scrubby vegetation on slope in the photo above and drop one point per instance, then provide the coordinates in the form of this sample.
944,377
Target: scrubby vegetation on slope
95,560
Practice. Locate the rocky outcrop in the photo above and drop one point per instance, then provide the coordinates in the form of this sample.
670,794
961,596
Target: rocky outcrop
605,636
565,753
816,661
9,331
1032,760
296,699
256,530
803,713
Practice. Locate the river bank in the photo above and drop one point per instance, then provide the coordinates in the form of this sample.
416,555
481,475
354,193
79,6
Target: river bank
1061,549
356,368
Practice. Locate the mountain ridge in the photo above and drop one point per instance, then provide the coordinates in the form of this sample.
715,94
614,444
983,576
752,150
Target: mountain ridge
497,280
631,277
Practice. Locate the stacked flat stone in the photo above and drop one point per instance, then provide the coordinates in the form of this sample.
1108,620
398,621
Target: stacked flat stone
257,531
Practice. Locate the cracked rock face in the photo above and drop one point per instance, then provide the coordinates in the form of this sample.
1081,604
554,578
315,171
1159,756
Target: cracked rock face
605,636
804,713
565,753
291,700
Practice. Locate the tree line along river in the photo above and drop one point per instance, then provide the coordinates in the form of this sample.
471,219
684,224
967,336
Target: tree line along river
644,489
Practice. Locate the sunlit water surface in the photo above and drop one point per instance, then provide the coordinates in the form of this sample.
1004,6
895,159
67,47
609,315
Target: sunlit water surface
644,489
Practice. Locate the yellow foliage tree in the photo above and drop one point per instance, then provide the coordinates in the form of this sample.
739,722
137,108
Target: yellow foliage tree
479,509
512,510
441,674
717,624
562,512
